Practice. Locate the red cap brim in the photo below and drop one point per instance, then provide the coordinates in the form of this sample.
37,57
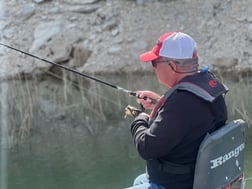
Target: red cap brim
148,56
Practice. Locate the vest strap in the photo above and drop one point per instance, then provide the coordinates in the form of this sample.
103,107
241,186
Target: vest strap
172,168
195,89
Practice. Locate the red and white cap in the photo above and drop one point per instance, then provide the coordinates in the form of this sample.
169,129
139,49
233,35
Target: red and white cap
175,45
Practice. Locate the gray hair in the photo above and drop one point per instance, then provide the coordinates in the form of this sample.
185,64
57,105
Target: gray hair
184,65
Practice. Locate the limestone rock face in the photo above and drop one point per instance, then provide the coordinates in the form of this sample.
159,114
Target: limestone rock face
107,36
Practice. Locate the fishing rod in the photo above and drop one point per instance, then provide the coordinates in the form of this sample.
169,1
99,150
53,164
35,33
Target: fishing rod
81,74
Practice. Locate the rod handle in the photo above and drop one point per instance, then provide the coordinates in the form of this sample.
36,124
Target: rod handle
153,101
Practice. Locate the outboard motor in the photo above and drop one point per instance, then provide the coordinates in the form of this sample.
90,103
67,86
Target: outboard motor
220,160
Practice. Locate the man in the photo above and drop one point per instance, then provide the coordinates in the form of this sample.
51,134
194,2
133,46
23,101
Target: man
169,138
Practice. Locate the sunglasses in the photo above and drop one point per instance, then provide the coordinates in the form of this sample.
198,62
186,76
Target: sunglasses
154,63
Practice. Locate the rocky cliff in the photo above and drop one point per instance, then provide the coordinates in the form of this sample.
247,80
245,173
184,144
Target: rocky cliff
107,36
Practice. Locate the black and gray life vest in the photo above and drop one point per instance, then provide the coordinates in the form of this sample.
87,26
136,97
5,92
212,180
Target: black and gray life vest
203,85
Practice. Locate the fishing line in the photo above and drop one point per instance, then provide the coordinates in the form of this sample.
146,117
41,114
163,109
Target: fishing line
79,73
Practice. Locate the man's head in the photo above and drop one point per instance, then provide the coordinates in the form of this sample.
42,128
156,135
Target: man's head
173,57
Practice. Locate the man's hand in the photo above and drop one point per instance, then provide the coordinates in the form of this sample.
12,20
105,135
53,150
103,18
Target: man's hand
132,111
147,99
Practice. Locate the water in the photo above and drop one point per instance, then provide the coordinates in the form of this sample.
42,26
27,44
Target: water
75,136
4,136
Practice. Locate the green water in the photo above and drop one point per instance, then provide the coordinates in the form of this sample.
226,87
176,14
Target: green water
64,137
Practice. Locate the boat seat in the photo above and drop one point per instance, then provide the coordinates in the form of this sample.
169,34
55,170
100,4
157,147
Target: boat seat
220,158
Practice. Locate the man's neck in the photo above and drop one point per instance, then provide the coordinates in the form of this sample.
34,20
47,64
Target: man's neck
182,76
